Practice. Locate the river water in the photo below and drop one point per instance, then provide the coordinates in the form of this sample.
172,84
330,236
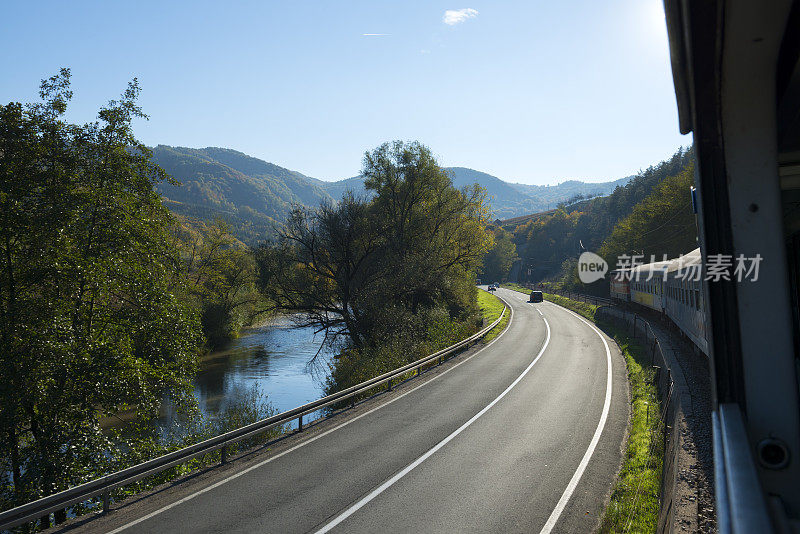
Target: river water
273,358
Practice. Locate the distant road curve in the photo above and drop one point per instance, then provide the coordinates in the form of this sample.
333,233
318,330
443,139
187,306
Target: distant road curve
522,435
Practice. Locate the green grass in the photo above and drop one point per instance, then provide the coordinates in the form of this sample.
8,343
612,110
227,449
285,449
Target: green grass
587,310
635,498
491,308
516,287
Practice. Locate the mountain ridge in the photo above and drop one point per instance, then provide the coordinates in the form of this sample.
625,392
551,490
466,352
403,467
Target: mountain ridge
256,195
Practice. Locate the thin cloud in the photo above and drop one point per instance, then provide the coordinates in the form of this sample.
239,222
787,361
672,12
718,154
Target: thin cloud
374,34
457,16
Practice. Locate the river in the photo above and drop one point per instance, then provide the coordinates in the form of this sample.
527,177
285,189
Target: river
272,358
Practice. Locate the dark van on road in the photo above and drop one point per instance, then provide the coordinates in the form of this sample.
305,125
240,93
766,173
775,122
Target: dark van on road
536,296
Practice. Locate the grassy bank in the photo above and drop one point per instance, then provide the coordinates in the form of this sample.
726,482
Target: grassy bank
491,308
635,498
516,287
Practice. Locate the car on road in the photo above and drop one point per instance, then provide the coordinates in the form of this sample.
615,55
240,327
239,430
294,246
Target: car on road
492,288
536,296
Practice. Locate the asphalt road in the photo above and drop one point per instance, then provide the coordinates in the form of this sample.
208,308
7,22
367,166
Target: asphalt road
524,435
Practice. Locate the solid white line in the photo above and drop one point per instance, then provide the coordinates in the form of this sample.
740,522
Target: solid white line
573,483
380,489
310,440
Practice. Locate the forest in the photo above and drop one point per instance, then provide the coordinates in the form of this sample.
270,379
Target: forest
650,215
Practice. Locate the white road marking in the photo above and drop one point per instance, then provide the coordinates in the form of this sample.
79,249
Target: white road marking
383,487
310,440
573,483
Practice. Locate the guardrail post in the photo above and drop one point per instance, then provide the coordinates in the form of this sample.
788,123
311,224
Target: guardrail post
389,385
223,454
106,502
300,423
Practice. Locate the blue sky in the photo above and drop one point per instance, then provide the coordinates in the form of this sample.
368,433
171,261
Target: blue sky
530,91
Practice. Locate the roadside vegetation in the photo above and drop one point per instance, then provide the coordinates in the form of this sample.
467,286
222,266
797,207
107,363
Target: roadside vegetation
501,256
389,277
635,498
491,308
516,287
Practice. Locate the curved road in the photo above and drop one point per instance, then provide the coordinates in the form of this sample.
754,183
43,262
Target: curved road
523,435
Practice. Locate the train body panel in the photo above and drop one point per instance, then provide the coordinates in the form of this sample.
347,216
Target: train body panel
620,287
684,298
647,285
672,287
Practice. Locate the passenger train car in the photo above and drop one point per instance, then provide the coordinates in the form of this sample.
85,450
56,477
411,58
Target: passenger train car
672,287
620,287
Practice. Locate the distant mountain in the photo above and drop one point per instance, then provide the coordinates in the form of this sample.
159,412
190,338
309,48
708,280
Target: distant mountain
337,189
553,194
255,196
507,199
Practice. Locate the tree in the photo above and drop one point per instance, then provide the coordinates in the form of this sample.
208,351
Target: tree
92,318
435,233
498,261
364,271
663,223
219,271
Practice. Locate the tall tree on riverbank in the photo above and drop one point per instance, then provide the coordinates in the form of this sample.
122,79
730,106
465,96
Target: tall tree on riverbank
91,314
366,270
219,271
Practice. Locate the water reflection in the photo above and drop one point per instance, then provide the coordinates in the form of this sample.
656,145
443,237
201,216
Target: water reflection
272,358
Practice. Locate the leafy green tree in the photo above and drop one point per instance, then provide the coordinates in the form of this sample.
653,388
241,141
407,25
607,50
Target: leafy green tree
370,272
327,269
498,261
92,318
434,232
662,223
220,273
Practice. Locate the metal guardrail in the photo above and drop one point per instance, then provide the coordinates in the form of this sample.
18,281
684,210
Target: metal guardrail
34,510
